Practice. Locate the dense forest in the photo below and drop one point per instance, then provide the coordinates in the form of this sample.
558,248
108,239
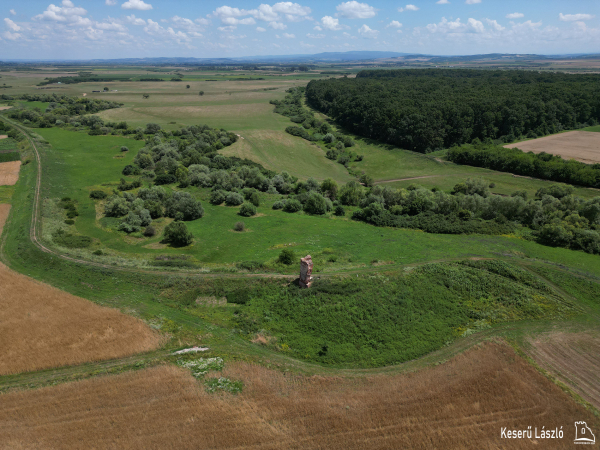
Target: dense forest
428,109
513,160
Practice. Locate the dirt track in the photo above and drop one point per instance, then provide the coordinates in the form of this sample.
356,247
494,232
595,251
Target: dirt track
9,173
42,327
462,403
582,146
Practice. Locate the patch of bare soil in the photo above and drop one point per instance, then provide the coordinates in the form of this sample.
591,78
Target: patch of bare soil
462,403
9,172
582,146
574,358
3,136
2,108
42,327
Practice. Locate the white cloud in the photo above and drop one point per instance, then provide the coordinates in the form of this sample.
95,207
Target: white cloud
110,25
456,26
154,29
515,15
11,36
135,20
329,23
367,32
277,25
68,13
356,10
13,12
11,25
411,8
110,2
442,2
575,17
317,28
140,5
495,25
315,36
472,2
394,24
292,12
261,29
288,36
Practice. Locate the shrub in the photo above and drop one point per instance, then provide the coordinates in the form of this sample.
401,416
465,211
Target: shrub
315,204
177,234
339,211
292,206
64,239
217,197
239,226
124,149
234,199
98,195
182,206
149,231
130,170
287,257
247,210
165,178
254,199
279,204
116,207
69,221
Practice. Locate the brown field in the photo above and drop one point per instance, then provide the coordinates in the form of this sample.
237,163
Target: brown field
462,404
42,327
9,172
574,358
582,146
3,136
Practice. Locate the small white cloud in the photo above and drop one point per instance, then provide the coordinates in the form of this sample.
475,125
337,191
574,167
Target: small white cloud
515,15
394,24
110,2
575,17
411,8
135,20
329,23
11,25
202,21
356,10
315,36
367,32
472,2
277,25
261,29
494,24
443,2
317,28
288,36
13,12
476,25
140,5
11,36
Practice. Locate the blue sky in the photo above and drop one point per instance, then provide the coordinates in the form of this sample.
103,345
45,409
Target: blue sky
84,29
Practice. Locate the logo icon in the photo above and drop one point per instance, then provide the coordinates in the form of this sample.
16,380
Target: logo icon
583,434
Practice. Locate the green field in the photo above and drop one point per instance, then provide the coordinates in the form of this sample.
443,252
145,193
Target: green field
396,273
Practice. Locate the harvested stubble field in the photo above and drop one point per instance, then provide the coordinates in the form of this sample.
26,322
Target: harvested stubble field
462,403
574,358
42,327
9,173
582,146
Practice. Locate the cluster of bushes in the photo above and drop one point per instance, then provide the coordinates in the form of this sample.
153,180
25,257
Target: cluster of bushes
62,110
513,160
10,132
314,130
69,206
556,216
311,197
428,109
377,320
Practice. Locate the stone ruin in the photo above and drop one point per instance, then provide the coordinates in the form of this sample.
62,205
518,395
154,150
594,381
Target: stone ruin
306,266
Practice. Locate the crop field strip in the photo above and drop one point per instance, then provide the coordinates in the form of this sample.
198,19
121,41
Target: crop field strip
582,146
464,400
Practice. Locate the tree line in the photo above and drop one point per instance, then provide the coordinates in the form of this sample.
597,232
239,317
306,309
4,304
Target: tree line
428,109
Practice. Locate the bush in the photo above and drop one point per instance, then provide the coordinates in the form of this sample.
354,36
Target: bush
279,204
217,197
165,178
239,226
234,199
339,211
69,221
287,257
292,206
124,149
177,234
254,199
247,210
116,207
149,231
98,195
182,206
315,204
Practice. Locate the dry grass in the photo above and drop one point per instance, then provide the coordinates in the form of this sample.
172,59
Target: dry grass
460,404
582,146
42,327
572,357
9,173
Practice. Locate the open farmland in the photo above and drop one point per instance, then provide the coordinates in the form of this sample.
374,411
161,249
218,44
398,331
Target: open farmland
462,403
43,327
9,172
582,146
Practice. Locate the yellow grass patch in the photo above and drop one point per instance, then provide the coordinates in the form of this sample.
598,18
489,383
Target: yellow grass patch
460,404
42,327
582,146
9,172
